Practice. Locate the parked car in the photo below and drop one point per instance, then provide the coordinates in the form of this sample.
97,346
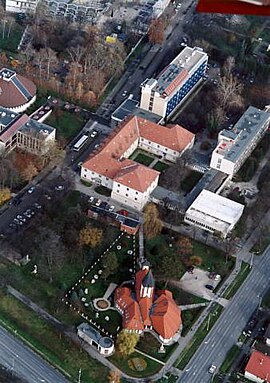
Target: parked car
37,205
124,93
91,199
59,187
209,287
93,134
111,208
98,203
31,190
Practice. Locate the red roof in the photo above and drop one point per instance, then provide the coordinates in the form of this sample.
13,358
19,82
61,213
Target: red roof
259,366
165,316
109,160
176,82
162,313
11,96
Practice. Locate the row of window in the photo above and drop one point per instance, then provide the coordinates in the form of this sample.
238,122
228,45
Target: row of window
199,223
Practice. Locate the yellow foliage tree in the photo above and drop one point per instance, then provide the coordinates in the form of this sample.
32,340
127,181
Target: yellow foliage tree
29,172
152,225
114,377
90,236
126,343
5,195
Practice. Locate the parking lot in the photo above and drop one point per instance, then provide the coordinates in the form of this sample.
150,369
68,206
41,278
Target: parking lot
195,283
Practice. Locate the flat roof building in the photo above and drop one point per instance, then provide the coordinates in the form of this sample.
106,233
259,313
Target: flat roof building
214,213
20,130
165,93
235,145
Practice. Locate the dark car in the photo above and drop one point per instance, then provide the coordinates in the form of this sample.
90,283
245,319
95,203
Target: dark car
209,287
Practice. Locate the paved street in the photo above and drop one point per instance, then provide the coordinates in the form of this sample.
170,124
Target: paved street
15,356
229,326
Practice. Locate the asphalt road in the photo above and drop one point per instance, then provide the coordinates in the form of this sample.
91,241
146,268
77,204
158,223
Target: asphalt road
15,356
226,331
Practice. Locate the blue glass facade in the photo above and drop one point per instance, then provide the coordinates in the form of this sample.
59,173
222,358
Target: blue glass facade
186,88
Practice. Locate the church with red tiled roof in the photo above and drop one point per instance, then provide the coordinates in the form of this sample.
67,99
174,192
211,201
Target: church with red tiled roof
146,309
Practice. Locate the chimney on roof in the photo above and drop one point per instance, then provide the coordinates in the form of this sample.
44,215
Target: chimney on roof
261,361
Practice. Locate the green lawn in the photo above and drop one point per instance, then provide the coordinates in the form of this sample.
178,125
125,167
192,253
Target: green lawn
190,181
152,366
230,357
198,337
10,44
213,259
67,124
143,159
231,290
44,338
150,345
160,166
266,300
98,289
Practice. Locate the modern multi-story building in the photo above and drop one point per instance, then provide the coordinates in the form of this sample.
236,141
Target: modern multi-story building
21,6
165,93
24,132
235,145
17,93
131,182
76,10
214,213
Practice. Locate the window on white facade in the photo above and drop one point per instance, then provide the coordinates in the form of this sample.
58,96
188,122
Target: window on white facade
135,198
127,195
117,191
136,192
127,188
118,185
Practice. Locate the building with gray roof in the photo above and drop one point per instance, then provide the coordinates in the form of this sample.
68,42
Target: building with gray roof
89,334
235,145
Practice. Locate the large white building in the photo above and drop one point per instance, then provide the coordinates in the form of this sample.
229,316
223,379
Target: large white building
214,213
165,93
235,145
21,6
131,182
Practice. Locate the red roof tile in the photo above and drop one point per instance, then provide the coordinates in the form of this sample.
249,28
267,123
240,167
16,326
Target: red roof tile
108,161
11,96
259,365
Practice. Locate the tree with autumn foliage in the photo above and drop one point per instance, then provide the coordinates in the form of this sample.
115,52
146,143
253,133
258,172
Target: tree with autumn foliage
126,343
114,377
5,195
195,260
152,225
29,172
184,245
90,236
156,31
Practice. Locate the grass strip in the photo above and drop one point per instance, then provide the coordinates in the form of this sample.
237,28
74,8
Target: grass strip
50,343
230,357
235,285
